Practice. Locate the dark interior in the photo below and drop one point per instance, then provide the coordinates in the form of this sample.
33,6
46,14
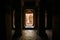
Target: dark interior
46,19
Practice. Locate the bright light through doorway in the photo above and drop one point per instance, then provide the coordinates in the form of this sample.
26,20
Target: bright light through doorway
29,20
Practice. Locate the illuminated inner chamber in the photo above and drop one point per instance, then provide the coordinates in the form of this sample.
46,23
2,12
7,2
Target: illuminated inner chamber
29,19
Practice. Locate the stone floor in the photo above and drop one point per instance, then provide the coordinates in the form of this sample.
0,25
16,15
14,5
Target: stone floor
32,35
29,35
49,33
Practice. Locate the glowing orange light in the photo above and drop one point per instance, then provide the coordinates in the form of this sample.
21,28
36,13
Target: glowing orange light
29,19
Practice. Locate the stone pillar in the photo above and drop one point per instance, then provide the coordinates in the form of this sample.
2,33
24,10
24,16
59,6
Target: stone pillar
17,34
9,24
17,7
56,26
42,33
49,20
2,24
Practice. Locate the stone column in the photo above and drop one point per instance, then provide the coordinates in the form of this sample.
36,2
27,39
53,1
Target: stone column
9,24
42,33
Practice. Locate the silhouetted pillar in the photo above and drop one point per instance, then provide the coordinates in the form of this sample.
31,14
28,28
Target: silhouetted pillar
50,11
2,24
9,24
18,22
42,33
49,20
56,27
17,7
